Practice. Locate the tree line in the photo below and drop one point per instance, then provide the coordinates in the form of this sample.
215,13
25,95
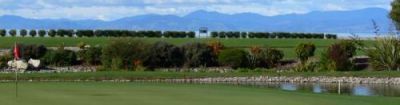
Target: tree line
159,34
280,35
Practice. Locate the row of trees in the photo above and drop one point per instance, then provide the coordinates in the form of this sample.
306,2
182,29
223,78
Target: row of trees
159,34
232,34
98,33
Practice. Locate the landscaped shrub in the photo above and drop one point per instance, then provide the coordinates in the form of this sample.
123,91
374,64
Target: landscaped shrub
42,33
337,57
385,53
163,55
198,54
23,32
91,55
60,57
52,33
33,33
4,59
255,57
305,51
272,57
3,32
216,46
264,57
234,58
31,51
123,54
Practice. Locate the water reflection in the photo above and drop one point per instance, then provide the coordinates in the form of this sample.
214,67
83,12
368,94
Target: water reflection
347,89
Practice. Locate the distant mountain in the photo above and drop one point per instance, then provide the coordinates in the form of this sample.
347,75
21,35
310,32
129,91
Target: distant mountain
330,21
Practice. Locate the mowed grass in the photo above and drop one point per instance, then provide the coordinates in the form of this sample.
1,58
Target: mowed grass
101,93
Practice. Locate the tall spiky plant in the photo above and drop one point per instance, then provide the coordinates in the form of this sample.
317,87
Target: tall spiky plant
385,53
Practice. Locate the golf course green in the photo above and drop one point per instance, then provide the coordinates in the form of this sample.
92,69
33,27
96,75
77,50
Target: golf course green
107,93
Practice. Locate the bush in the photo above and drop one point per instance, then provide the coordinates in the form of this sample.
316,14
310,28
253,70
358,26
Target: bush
234,58
60,57
4,59
305,51
272,57
198,54
269,57
216,46
337,57
3,32
91,55
33,33
23,32
385,54
31,51
123,54
42,33
163,55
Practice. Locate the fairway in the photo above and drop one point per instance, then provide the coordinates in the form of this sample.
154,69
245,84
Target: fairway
91,93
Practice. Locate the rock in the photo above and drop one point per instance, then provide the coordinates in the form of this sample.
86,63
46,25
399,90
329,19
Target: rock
22,65
19,64
35,63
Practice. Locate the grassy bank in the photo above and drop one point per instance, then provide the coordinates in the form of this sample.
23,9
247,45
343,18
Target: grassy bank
169,94
173,75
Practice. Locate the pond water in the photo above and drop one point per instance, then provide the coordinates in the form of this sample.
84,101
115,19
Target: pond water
333,88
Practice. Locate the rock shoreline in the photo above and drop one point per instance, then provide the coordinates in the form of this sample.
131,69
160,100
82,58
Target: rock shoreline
321,79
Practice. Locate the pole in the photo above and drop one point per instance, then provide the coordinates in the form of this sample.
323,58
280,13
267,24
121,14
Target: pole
16,82
339,87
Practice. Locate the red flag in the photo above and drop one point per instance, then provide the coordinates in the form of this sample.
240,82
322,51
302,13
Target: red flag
16,52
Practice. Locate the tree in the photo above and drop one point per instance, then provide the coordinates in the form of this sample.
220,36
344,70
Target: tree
305,51
395,13
23,32
12,32
52,33
42,33
3,32
32,33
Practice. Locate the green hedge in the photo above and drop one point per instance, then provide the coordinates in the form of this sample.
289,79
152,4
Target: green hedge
280,35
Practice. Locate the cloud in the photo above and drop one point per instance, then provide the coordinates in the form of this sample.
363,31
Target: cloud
114,9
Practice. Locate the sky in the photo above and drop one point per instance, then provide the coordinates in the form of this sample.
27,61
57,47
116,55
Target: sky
115,9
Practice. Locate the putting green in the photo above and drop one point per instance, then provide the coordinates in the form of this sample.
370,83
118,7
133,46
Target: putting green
90,93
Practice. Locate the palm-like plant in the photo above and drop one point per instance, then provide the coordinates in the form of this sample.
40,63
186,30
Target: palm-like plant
385,53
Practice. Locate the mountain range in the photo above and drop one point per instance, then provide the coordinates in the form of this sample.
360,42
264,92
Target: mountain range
318,21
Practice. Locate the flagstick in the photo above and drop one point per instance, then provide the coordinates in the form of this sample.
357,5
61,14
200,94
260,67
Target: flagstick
16,74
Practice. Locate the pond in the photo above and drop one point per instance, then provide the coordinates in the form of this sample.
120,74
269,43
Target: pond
333,88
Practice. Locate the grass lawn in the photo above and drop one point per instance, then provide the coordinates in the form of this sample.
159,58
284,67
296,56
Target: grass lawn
7,42
90,93
174,75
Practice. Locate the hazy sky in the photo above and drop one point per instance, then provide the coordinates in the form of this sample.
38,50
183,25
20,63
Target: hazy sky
114,9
